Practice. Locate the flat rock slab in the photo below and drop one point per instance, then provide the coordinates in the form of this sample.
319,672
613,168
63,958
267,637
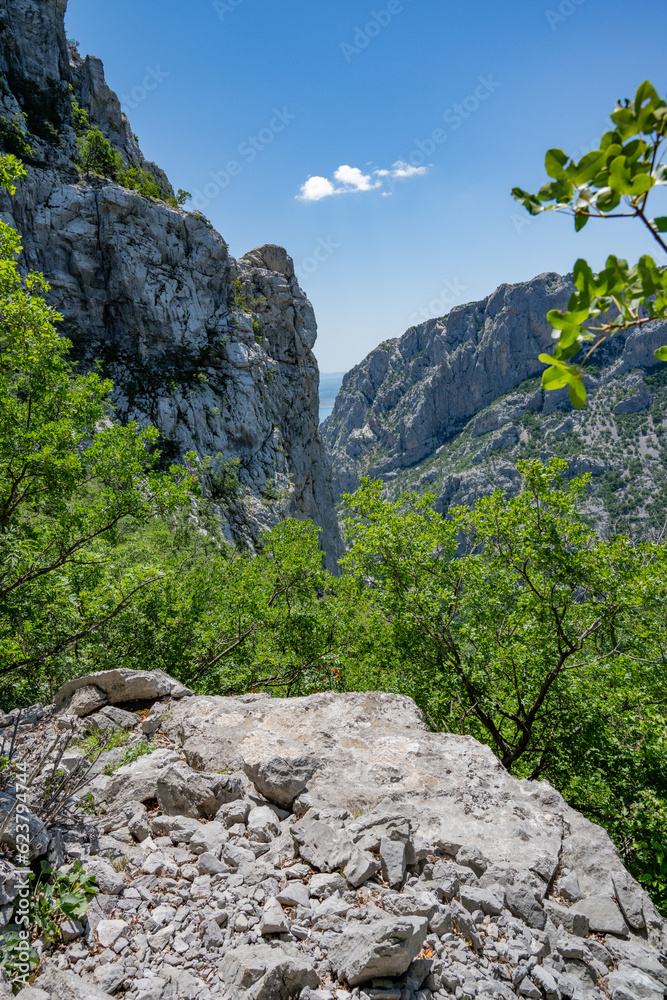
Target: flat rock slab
124,685
375,752
604,916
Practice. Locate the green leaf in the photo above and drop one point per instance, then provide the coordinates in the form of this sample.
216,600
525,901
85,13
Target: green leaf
554,163
580,220
659,224
554,378
661,354
577,391
645,92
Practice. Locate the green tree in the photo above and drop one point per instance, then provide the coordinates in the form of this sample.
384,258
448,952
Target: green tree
97,155
68,476
516,624
620,174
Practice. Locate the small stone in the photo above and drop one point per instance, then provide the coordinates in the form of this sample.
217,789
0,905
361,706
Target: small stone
273,919
568,887
263,824
108,931
210,865
70,930
392,859
151,724
210,934
472,857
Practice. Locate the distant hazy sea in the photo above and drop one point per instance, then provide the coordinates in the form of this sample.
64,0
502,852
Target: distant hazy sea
330,383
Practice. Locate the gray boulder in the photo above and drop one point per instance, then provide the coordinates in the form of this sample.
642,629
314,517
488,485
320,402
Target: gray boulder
470,856
87,699
273,919
520,901
630,899
110,717
263,824
486,900
137,782
321,845
263,973
280,779
208,838
234,812
184,792
384,948
59,985
392,859
181,829
123,685
568,887
567,917
108,880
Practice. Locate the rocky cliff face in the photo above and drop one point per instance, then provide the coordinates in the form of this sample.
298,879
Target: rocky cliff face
321,847
216,352
454,403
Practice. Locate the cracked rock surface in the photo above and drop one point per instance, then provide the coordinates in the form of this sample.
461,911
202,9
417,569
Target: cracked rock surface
215,352
407,865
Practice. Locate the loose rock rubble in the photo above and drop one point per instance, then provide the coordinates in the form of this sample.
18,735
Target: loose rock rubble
331,848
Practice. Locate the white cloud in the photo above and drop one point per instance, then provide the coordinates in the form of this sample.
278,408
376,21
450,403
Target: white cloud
316,188
351,180
402,169
355,178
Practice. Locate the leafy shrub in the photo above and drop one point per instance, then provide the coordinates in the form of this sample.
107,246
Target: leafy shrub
222,478
79,116
59,896
97,155
14,139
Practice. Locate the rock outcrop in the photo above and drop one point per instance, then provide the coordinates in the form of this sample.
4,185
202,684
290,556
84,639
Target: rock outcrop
452,405
215,352
324,847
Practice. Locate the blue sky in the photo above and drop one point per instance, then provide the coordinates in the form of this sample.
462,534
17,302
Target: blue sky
242,101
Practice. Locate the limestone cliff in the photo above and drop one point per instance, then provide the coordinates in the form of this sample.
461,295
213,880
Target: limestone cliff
216,352
451,406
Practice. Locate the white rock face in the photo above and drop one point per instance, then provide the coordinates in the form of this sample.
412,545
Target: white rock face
452,405
216,353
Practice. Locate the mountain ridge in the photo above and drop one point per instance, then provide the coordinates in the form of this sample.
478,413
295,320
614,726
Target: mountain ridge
453,404
215,352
